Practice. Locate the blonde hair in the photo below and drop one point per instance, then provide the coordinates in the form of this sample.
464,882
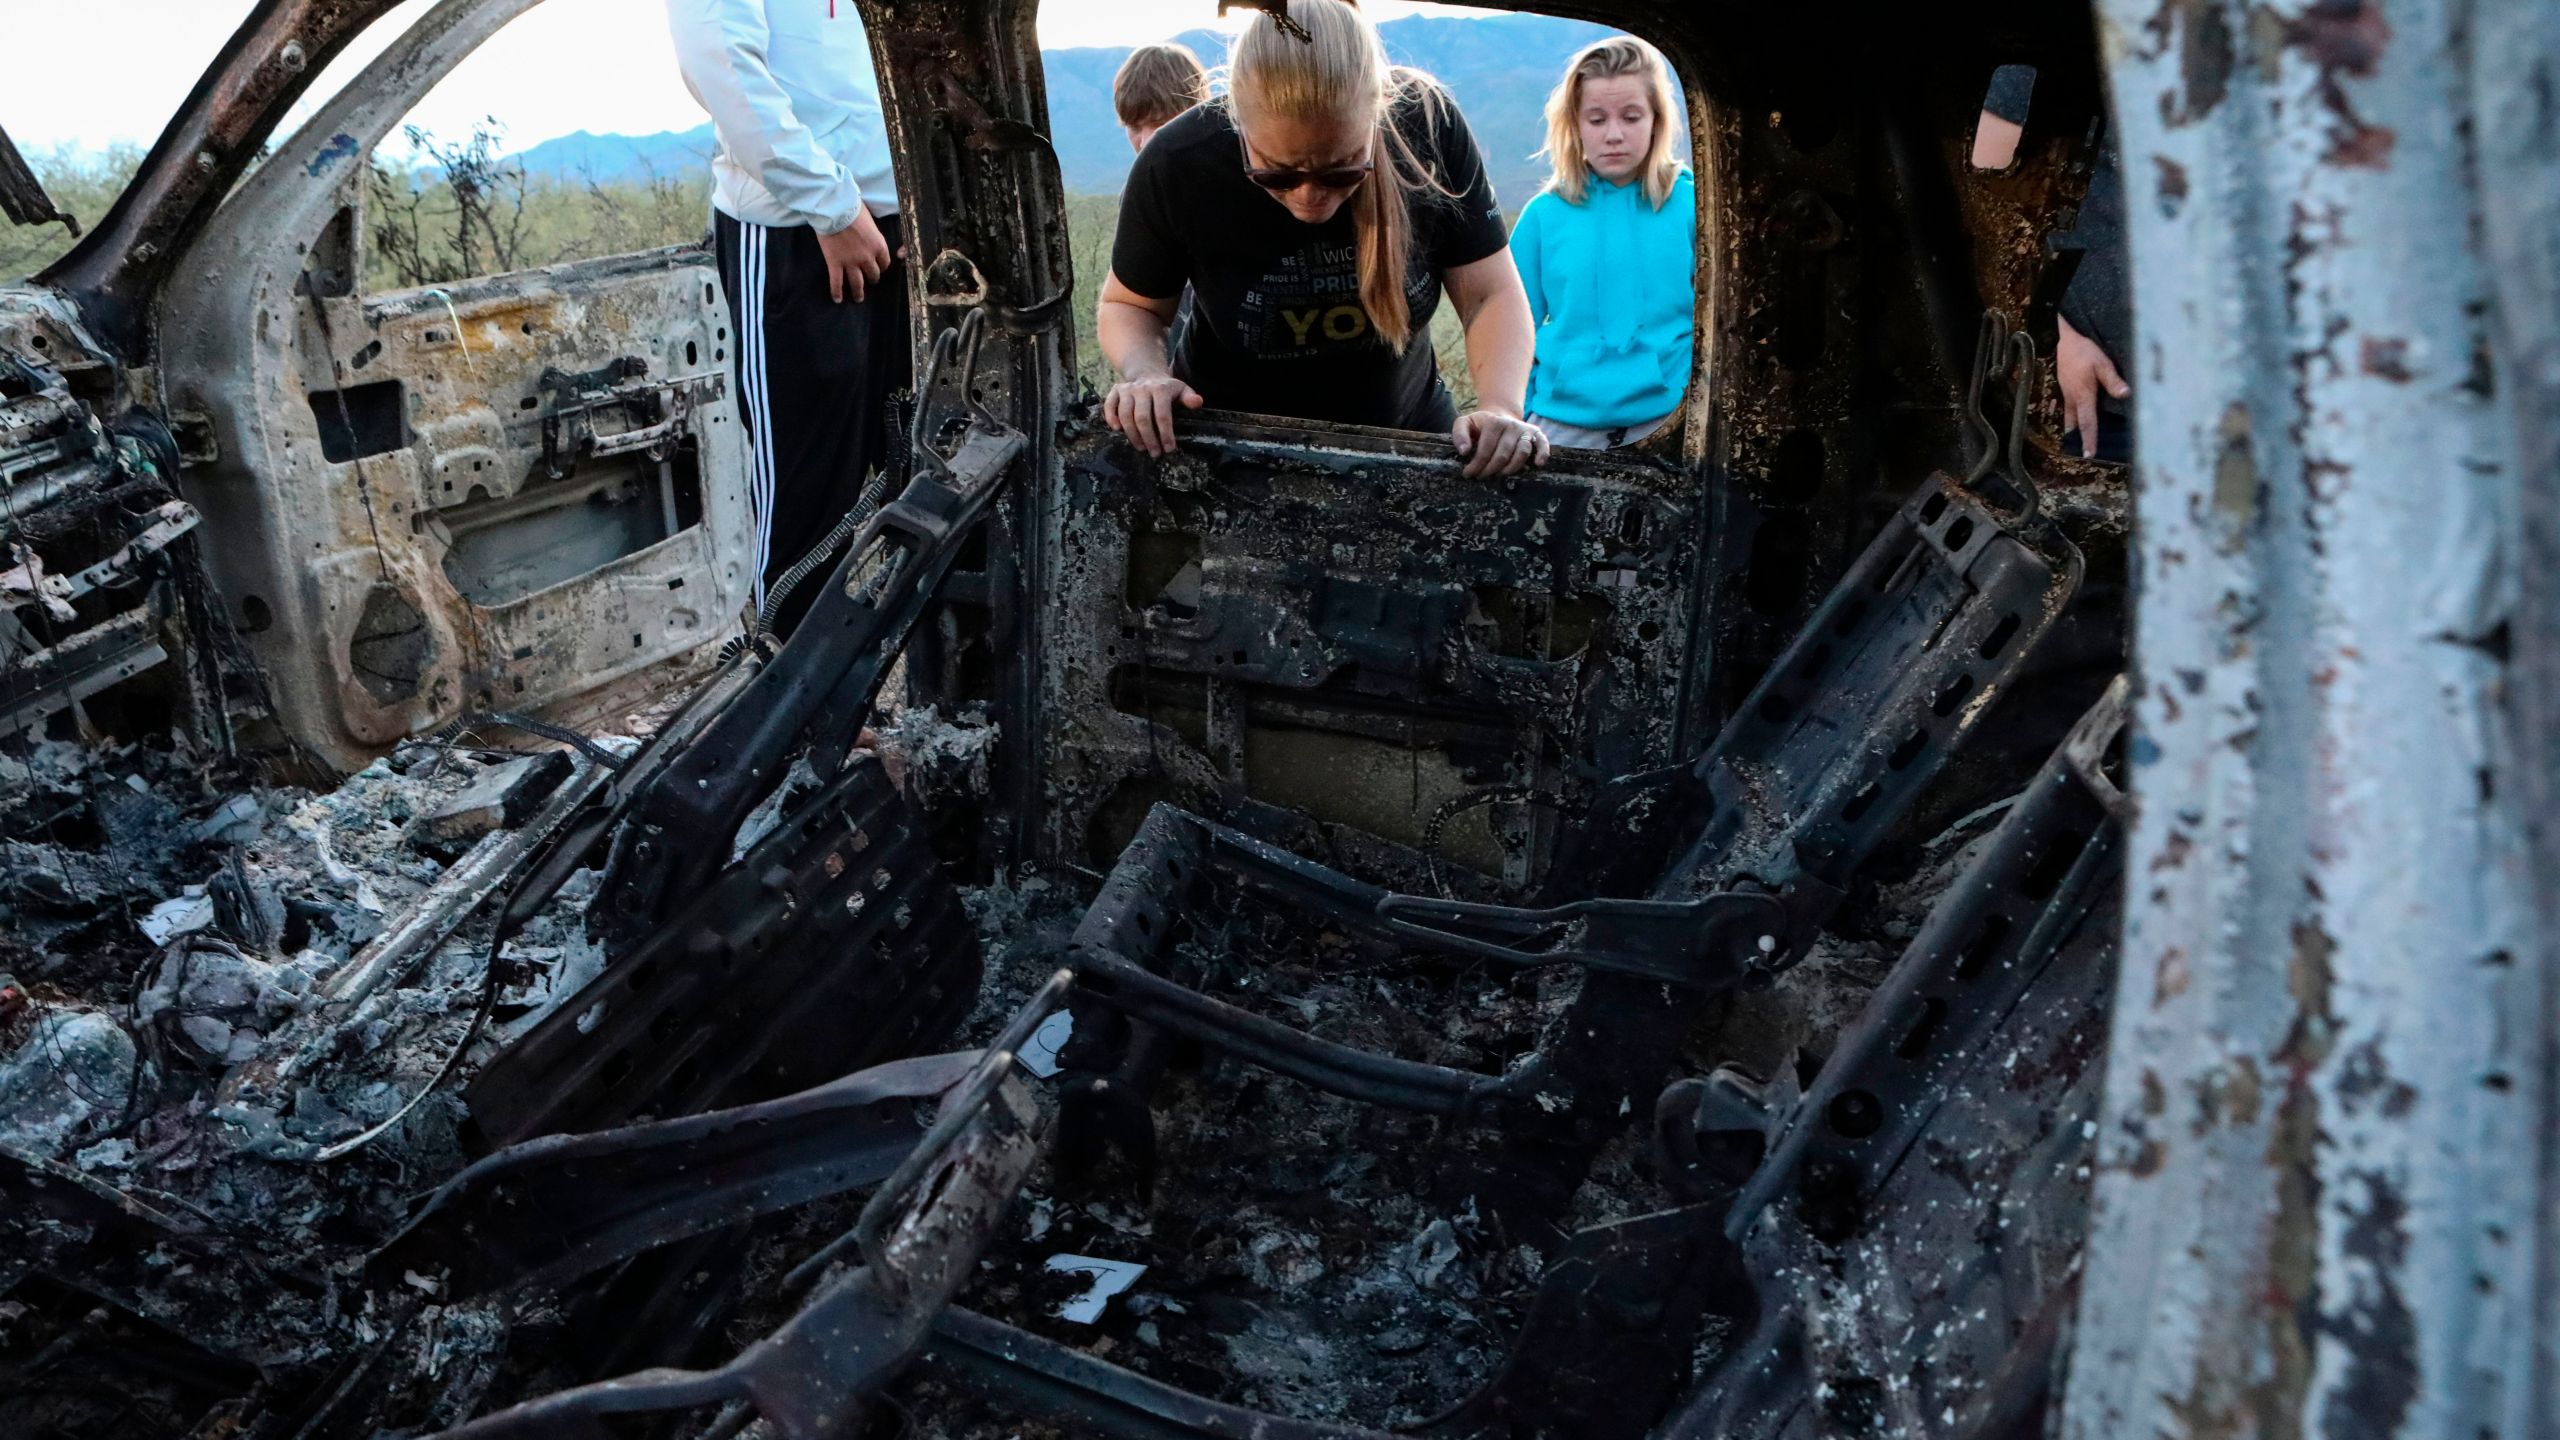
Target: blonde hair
1158,82
1607,60
1324,62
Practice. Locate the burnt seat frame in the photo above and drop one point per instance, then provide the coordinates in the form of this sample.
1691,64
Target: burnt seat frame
2024,932
1926,629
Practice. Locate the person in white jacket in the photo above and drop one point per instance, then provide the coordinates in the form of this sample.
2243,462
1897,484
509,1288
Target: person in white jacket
805,220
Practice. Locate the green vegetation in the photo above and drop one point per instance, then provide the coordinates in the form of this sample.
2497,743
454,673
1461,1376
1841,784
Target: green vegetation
464,210
81,188
467,211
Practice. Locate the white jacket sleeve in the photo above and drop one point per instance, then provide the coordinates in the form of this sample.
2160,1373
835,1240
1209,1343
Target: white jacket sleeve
721,47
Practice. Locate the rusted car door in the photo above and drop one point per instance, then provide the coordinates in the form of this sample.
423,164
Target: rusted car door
510,493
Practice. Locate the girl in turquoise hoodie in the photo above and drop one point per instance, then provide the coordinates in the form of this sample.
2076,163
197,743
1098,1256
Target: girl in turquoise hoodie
1607,251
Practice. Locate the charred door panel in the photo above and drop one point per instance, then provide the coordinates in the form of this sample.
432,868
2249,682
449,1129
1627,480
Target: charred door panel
1335,622
516,492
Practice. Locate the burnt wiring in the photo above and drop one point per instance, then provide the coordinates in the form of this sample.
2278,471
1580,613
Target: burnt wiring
822,553
472,1029
452,730
875,493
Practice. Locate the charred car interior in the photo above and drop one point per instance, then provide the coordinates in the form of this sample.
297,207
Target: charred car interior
1318,946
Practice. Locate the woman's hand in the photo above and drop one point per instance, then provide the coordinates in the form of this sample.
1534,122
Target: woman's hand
1493,443
1131,329
1142,409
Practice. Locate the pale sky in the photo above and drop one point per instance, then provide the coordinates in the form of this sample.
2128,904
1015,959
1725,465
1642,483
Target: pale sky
114,70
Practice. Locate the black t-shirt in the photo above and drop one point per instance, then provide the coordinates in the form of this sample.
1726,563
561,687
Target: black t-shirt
1277,327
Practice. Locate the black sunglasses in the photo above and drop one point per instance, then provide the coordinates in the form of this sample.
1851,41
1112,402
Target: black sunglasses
1280,181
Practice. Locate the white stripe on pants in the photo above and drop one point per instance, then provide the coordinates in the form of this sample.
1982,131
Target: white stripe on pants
751,270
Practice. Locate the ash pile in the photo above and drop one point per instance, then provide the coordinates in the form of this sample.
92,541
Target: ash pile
165,926
677,1087
210,985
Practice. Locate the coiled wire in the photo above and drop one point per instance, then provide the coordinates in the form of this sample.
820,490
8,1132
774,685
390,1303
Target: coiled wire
446,733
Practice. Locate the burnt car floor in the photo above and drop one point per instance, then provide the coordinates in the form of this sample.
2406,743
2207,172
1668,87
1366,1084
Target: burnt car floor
1276,941
1539,1228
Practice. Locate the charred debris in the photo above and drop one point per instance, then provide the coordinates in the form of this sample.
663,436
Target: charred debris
700,1082
1312,947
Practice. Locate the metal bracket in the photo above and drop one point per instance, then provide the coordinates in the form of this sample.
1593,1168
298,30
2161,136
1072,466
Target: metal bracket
659,413
2051,866
674,834
542,1213
1997,349
743,991
1705,944
168,522
919,1241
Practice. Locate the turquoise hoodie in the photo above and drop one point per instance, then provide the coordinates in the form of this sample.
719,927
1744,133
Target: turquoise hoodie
1612,288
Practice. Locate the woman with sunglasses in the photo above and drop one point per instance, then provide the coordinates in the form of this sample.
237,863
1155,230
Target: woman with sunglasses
1317,211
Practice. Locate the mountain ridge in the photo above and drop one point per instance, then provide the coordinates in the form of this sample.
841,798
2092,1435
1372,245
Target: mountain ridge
1499,68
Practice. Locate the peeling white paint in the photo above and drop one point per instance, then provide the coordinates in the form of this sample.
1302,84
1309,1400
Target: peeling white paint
2315,1053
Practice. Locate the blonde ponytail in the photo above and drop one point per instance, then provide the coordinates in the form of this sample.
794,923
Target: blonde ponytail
1383,222
1334,68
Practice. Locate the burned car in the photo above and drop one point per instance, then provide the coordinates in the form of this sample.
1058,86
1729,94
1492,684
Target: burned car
1712,939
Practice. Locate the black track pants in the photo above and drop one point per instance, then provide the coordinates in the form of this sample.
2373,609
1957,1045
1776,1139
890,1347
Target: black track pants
814,381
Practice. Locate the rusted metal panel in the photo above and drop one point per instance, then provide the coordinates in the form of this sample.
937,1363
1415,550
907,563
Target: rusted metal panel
2316,1211
979,190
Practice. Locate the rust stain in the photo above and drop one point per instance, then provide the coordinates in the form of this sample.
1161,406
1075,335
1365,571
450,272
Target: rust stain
2235,477
2172,178
2386,357
2243,1090
2344,38
2292,1297
2230,1095
2309,979
2341,35
2361,146
2173,853
2172,978
2202,32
